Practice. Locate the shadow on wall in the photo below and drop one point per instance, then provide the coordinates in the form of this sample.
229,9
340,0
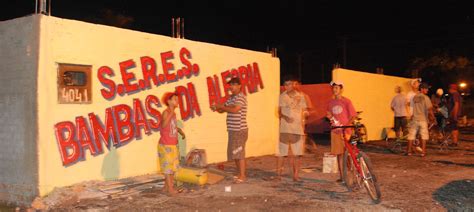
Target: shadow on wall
181,141
456,195
111,165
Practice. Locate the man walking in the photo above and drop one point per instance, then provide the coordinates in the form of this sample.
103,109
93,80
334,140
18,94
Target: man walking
236,109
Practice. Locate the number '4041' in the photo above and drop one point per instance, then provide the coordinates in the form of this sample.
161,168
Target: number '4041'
74,95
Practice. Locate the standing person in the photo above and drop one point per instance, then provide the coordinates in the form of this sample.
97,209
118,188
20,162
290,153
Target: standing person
439,107
398,106
454,109
236,109
422,113
415,89
168,152
341,112
306,113
292,111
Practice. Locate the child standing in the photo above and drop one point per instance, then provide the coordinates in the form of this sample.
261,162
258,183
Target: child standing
167,147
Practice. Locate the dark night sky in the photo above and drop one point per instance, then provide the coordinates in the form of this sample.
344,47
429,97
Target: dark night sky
386,34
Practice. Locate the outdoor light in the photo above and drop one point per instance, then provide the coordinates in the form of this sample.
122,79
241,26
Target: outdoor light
462,84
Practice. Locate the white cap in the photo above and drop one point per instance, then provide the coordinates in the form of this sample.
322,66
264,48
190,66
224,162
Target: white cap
333,83
414,80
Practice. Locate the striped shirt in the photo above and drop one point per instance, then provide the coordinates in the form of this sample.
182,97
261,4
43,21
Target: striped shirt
237,121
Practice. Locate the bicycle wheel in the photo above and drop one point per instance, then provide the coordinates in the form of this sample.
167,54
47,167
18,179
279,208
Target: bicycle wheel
444,142
349,173
395,145
369,179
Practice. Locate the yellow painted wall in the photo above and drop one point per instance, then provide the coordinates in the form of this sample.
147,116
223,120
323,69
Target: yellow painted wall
67,41
372,94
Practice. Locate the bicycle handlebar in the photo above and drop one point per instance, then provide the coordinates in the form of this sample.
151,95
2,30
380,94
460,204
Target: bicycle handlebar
343,127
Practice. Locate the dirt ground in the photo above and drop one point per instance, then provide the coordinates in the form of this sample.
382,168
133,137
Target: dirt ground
438,182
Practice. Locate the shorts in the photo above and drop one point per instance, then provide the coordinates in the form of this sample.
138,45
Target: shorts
293,142
452,125
418,126
236,144
400,123
168,157
337,144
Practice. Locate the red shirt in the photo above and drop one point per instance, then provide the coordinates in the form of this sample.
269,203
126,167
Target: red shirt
169,134
342,110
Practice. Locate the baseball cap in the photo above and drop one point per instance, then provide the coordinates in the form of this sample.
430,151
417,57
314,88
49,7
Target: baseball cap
333,83
414,80
425,85
234,80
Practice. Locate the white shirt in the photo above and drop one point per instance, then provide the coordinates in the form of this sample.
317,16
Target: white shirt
399,105
293,107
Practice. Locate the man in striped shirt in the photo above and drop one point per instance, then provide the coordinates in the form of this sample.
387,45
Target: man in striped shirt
236,109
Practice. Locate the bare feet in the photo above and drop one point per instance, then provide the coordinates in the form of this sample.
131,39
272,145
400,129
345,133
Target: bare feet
239,180
172,192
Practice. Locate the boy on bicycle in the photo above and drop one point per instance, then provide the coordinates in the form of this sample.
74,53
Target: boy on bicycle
341,112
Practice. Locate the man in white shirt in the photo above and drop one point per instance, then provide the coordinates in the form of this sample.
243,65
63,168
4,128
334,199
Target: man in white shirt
398,105
292,112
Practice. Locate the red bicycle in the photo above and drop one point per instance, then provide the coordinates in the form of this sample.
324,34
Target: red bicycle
357,170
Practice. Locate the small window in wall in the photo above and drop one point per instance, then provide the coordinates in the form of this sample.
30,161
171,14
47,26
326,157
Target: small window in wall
74,84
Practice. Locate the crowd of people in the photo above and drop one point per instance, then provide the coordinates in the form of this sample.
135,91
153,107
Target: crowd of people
415,111
412,113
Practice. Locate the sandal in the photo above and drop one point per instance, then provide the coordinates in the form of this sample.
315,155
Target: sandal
422,154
